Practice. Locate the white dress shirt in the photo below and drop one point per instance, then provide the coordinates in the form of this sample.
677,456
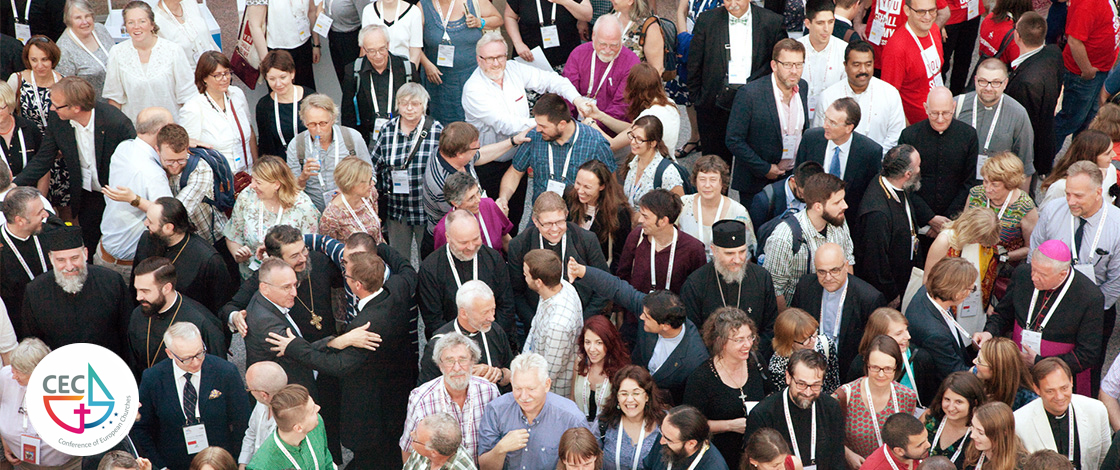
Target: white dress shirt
742,48
789,115
261,425
845,150
134,165
822,68
882,118
663,348
181,382
86,152
502,111
204,121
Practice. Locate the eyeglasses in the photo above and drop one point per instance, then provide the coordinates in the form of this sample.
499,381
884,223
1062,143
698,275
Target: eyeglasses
876,370
495,59
811,340
221,75
982,83
189,359
410,104
791,65
834,272
633,138
378,51
176,162
939,114
744,340
58,107
461,362
293,286
319,124
553,224
929,12
799,385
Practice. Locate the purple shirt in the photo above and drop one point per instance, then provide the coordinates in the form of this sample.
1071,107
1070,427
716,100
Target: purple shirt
497,224
609,96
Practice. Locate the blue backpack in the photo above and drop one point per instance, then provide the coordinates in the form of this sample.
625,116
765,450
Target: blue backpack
224,194
686,182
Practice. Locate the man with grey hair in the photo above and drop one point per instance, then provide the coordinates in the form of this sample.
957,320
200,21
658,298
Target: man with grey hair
194,391
504,439
1000,122
22,257
364,108
134,170
1052,310
6,186
605,55
475,321
263,380
436,445
459,392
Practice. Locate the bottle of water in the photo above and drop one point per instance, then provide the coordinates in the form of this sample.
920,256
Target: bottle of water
317,154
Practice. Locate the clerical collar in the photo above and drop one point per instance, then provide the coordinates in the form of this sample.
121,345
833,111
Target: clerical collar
464,331
1057,417
167,307
891,186
365,300
17,237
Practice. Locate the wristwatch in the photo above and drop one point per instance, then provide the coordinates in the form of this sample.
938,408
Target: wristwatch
135,202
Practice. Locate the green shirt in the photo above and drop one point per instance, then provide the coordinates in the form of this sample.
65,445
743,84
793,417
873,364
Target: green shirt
271,457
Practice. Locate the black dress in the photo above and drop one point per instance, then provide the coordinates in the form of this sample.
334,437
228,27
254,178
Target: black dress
707,392
268,139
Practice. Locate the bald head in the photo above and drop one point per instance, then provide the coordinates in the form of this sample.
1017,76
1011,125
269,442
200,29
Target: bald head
939,95
939,108
831,265
150,120
463,235
266,376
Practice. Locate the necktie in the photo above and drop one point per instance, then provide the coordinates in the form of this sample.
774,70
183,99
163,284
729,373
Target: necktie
1077,236
834,165
190,399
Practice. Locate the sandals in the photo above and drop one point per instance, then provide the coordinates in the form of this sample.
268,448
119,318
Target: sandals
688,149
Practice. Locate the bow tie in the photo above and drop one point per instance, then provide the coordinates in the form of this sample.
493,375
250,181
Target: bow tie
743,21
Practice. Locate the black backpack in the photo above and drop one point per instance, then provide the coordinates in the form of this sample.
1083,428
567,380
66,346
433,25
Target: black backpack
764,232
669,34
687,179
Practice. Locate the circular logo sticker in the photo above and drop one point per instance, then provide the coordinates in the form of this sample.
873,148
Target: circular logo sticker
82,399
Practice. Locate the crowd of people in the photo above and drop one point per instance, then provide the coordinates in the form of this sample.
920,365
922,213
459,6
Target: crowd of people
493,250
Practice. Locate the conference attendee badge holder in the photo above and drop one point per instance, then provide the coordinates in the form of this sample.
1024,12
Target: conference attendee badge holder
973,9
30,445
814,101
195,437
323,24
1031,338
304,35
400,182
378,123
23,31
445,56
737,73
556,187
878,29
789,150
550,37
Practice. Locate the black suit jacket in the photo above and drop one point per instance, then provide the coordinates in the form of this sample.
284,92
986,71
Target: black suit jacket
865,159
862,299
1036,84
263,318
362,119
223,405
708,52
674,372
110,128
883,246
755,135
582,245
929,331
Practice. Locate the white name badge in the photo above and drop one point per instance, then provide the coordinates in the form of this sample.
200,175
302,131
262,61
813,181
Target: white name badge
814,101
556,187
195,436
445,56
377,124
737,73
878,28
751,405
789,149
1087,270
919,411
1033,340
323,24
303,34
810,467
23,32
980,160
30,449
973,9
401,184
550,36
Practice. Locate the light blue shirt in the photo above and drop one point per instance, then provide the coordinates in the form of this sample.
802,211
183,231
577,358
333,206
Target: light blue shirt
503,415
831,311
662,350
792,203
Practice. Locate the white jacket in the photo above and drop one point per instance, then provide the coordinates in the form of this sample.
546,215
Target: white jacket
1093,431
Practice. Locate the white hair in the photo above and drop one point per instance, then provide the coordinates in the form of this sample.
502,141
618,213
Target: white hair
180,331
487,38
451,340
410,91
1039,258
471,292
526,362
369,28
604,21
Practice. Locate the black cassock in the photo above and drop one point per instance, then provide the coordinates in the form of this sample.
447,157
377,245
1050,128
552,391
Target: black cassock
704,291
13,276
97,314
145,333
199,270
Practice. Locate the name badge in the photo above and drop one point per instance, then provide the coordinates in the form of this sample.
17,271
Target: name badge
814,101
750,406
1087,270
445,55
810,467
401,184
30,449
323,24
303,34
195,437
980,160
328,196
737,73
973,9
23,32
973,304
789,150
378,123
878,29
556,187
550,36
1033,340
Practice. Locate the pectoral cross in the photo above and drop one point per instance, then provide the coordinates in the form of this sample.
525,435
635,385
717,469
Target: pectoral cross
317,321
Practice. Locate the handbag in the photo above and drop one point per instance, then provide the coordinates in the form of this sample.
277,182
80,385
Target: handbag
245,62
915,283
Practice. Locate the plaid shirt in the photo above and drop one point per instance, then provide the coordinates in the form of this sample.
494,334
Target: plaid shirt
589,145
199,185
554,333
390,150
787,267
462,460
432,397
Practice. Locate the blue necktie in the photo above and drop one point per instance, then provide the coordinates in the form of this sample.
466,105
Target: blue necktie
834,165
190,400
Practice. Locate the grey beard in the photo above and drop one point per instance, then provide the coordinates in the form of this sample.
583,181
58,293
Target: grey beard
69,284
459,256
914,184
729,276
306,273
458,383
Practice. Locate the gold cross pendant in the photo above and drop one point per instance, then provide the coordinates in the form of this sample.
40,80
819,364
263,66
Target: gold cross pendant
317,321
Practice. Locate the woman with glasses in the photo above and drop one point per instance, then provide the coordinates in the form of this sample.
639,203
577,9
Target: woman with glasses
725,387
641,169
917,372
647,97
711,176
949,417
934,314
630,423
461,190
601,355
973,236
355,209
33,97
1000,367
870,400
218,116
272,199
146,70
14,424
794,330
314,154
84,45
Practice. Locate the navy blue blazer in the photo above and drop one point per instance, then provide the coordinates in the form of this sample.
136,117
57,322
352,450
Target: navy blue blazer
929,331
223,405
262,318
865,160
754,136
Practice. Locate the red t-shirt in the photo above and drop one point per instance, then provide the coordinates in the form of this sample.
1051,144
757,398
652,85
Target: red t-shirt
1094,23
958,11
992,34
904,69
886,17
878,461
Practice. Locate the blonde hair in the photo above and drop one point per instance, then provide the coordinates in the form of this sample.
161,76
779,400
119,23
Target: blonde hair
352,172
321,101
8,98
28,353
1006,168
790,325
975,225
272,169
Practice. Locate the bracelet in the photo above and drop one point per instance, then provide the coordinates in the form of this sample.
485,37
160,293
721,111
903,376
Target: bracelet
316,46
483,25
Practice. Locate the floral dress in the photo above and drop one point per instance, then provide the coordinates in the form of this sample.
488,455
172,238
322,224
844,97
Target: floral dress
677,88
339,222
1010,233
251,221
632,36
954,451
30,98
859,431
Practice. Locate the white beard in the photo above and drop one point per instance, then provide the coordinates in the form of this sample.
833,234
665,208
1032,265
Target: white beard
71,284
728,276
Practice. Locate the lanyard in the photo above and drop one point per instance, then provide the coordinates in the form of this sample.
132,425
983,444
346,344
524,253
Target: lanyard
485,232
958,331
82,45
629,23
485,344
909,216
937,438
1096,237
182,26
35,92
415,141
839,311
276,112
980,461
699,209
793,434
240,132
260,220
563,249
567,159
335,136
22,146
1071,430
442,18
19,256
540,17
354,215
26,11
889,459
992,127
874,413
1034,297
699,456
672,258
922,50
474,269
1006,204
909,371
594,58
637,446
310,449
373,93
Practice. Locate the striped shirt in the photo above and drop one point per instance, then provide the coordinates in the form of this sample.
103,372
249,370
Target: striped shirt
435,204
432,397
462,460
554,333
787,267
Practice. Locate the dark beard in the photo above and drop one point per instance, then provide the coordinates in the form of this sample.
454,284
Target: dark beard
673,457
160,244
153,308
833,221
304,275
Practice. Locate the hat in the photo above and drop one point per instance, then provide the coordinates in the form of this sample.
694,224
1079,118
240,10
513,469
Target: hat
1055,250
729,234
58,235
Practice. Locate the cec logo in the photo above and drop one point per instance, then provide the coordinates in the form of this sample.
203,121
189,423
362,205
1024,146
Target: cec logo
82,399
